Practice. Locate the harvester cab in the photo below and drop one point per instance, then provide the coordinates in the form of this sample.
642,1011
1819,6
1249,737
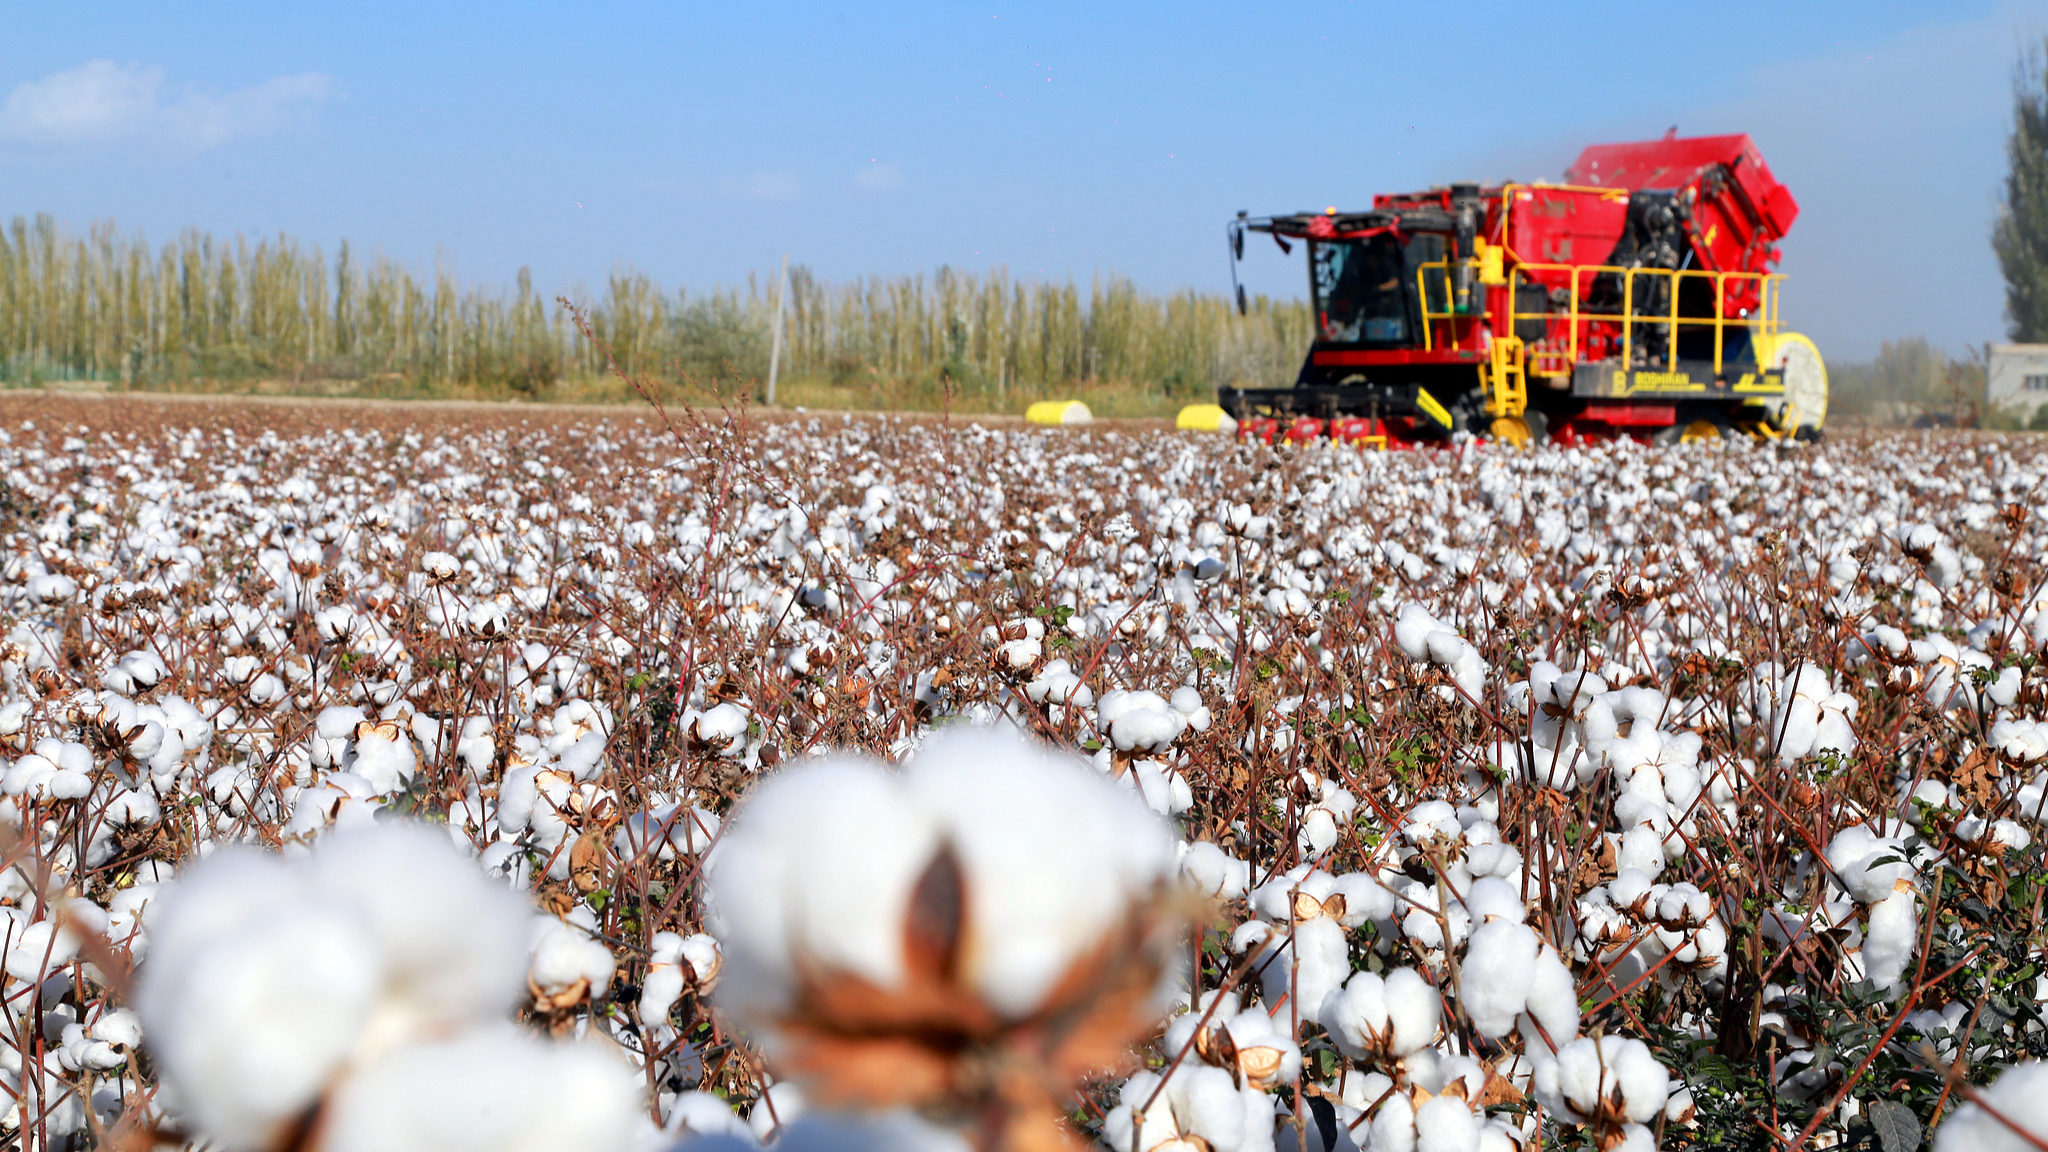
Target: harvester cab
1636,298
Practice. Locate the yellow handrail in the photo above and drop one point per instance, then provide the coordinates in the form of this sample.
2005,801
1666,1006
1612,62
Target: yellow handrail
1762,320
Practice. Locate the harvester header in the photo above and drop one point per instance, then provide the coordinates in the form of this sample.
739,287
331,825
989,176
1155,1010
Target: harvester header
1636,298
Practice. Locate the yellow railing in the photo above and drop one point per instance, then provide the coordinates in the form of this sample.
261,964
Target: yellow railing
1636,286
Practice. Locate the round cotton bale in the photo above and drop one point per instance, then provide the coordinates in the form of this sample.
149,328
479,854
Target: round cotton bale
1205,418
1058,412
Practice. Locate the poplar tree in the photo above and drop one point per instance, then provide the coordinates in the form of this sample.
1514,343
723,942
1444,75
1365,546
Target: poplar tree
2020,235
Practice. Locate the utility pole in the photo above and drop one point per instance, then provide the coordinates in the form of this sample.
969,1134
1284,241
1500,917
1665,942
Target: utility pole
775,346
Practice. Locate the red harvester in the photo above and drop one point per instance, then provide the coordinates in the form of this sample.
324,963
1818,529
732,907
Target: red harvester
1633,299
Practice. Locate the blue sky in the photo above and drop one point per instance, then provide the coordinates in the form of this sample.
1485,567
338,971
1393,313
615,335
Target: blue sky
699,142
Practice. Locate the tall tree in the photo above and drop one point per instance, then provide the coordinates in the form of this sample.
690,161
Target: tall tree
2020,235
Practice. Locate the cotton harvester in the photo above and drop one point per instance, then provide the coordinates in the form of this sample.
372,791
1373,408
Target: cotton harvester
1633,299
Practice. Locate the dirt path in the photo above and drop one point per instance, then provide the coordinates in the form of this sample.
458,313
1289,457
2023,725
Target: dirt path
299,413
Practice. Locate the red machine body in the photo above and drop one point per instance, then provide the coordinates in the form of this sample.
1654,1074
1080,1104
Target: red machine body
1636,295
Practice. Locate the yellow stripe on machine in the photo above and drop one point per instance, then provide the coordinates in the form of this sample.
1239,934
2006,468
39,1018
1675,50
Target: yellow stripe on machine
1431,408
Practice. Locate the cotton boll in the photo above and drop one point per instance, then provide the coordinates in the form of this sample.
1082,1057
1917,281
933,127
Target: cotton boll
1053,855
1365,898
2020,1095
817,868
490,1092
1445,1124
699,1113
1138,721
1641,850
1393,1126
253,997
1412,630
452,940
264,977
384,758
1307,970
665,980
1890,938
1494,980
1868,865
569,965
1553,1003
826,879
1607,1081
1213,872
1371,1018
1490,898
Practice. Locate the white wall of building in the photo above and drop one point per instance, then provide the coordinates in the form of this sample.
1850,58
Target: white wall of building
2018,379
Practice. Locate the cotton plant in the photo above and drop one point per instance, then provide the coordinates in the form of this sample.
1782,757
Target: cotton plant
877,924
361,994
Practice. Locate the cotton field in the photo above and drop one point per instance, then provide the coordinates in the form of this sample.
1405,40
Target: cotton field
385,779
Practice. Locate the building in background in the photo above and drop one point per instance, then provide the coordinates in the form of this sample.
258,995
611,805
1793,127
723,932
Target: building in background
2017,382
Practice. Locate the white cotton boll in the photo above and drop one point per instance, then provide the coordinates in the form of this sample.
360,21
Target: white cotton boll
1412,629
1553,1003
1493,982
119,1027
780,1106
1445,1124
1365,898
1319,832
665,980
252,996
1491,898
698,1113
1019,655
1393,1126
1213,872
1641,850
452,940
819,864
1855,854
2020,1095
1373,1017
721,727
1307,970
1890,938
1610,1076
388,763
826,879
1443,647
1468,672
1630,889
498,1092
567,961
1053,854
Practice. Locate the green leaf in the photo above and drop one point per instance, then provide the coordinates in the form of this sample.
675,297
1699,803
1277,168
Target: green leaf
1898,1130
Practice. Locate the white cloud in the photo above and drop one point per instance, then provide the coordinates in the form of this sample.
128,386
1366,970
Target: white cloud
101,103
878,177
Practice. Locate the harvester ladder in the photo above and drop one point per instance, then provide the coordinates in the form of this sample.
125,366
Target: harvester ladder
1504,378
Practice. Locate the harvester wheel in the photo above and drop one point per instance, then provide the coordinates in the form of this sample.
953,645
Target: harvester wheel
1528,428
1693,431
1805,406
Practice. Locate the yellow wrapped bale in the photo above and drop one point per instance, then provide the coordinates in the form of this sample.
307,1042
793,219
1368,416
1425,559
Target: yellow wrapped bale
1058,412
1205,418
